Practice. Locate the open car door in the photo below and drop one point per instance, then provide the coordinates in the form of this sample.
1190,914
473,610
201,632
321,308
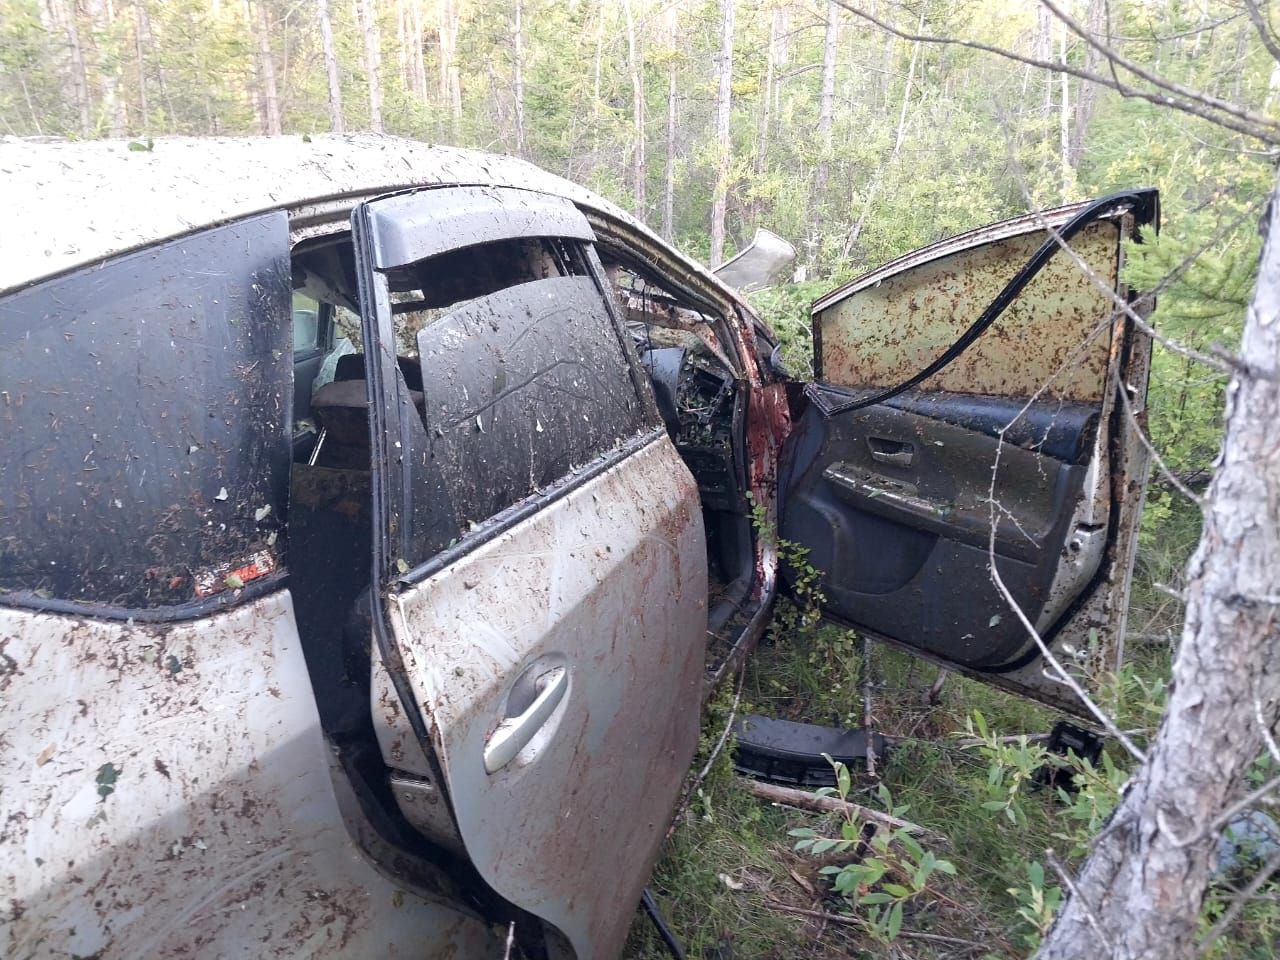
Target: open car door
966,410
539,553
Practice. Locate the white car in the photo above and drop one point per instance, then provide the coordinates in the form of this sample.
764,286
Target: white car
374,516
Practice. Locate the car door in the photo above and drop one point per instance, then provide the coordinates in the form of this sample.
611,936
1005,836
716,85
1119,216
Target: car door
541,558
965,408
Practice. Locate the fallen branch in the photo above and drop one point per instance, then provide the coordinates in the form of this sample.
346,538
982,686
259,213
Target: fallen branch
855,922
802,799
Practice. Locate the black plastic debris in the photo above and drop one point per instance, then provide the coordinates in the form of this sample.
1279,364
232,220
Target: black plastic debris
784,751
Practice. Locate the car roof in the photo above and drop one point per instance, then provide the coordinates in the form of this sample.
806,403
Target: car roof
73,203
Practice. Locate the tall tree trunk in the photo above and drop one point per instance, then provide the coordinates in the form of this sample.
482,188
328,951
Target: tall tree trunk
450,78
78,87
107,65
906,88
372,61
267,74
418,62
636,68
330,67
724,146
518,78
1087,91
673,90
1042,49
1139,893
595,82
141,65
777,27
402,44
1064,116
826,114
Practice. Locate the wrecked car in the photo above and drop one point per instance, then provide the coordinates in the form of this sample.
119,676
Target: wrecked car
375,516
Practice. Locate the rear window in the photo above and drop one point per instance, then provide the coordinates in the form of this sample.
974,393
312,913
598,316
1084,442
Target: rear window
144,423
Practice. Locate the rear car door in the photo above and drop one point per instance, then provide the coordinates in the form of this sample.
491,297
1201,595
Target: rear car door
970,385
541,558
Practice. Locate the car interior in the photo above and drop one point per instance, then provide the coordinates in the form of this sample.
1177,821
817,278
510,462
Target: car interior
329,526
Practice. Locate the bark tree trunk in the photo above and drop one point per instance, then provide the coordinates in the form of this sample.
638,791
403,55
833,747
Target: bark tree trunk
724,104
826,113
1064,116
107,65
1140,890
450,79
673,89
773,60
518,75
418,62
1087,92
372,62
635,67
79,82
330,66
267,73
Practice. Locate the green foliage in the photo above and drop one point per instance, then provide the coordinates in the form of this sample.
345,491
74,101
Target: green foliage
894,869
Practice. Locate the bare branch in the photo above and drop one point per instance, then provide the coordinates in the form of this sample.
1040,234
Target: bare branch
1263,875
1172,86
1195,107
1265,31
1163,467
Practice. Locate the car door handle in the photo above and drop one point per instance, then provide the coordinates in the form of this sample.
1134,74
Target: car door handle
897,453
514,733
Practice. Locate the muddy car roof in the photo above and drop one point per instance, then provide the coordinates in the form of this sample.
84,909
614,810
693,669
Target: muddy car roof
72,204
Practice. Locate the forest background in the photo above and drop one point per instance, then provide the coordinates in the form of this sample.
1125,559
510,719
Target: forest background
708,119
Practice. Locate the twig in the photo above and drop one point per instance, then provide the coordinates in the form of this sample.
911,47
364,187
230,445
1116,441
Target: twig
802,799
1266,134
855,922
511,939
1264,29
866,708
1237,904
1172,86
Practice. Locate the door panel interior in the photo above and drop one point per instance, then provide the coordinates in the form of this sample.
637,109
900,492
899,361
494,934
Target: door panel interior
894,506
1002,451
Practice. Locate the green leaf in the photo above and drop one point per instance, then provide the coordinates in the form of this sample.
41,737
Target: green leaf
895,921
871,899
802,832
994,805
822,846
896,890
844,783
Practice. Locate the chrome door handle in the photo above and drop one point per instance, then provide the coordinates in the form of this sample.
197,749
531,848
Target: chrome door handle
896,453
514,733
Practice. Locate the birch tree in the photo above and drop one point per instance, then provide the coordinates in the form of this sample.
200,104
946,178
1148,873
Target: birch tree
372,61
723,144
636,69
332,76
1139,893
270,93
518,75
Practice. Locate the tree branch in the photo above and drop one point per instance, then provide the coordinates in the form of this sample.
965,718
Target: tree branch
1270,133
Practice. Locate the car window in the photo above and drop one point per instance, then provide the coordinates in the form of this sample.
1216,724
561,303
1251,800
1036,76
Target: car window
307,332
522,373
144,422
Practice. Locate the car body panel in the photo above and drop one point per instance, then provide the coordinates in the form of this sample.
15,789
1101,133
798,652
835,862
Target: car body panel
607,584
167,793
